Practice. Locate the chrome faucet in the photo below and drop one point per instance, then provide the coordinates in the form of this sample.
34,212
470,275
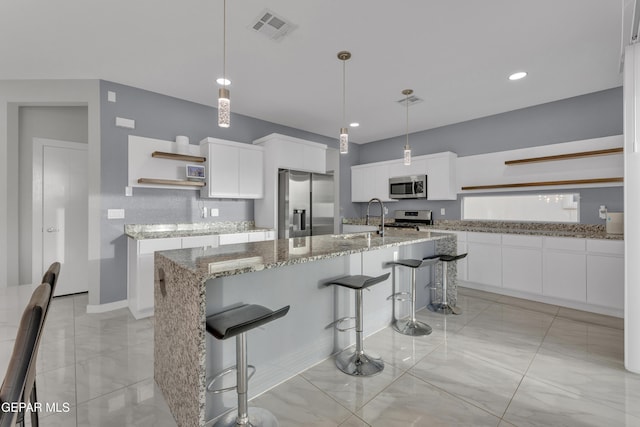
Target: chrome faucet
375,199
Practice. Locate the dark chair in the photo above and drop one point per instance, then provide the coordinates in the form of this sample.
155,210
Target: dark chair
23,358
444,307
50,277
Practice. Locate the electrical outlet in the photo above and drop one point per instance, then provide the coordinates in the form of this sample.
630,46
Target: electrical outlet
395,255
111,96
204,212
442,211
215,212
115,213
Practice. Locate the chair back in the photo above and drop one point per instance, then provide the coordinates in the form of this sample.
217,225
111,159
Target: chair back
51,277
25,349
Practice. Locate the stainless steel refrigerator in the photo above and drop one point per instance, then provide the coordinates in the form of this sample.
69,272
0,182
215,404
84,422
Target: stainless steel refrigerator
305,204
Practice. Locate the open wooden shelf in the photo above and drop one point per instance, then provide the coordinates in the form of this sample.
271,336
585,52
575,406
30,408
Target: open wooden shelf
565,156
180,183
543,183
175,156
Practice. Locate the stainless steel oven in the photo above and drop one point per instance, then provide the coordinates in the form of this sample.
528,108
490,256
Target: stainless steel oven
408,187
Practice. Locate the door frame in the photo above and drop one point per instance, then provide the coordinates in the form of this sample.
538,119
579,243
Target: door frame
36,199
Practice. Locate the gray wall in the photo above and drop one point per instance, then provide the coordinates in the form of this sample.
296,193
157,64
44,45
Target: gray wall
583,117
61,123
162,117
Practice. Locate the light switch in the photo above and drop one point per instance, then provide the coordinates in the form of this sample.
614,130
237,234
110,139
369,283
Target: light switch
442,211
115,213
128,191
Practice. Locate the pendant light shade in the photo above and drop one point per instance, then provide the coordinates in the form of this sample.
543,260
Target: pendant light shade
224,101
224,108
407,149
344,133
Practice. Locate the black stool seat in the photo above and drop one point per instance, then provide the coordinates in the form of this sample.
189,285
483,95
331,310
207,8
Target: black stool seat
450,258
237,320
359,282
415,263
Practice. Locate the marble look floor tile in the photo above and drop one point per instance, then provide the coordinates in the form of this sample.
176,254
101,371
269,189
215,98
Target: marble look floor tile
540,404
57,386
597,319
56,354
608,383
509,353
510,320
115,370
529,305
409,401
449,323
477,381
139,404
400,350
585,340
351,392
57,419
354,421
297,402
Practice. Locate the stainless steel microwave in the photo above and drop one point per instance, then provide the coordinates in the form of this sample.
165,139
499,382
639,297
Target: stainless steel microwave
408,187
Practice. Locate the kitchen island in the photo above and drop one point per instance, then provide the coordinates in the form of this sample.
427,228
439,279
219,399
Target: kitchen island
193,283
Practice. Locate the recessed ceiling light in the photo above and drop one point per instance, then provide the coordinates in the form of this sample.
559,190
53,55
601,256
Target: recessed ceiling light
517,76
223,82
354,124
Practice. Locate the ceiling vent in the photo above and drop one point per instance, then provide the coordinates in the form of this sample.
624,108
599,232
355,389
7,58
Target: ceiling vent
413,100
272,25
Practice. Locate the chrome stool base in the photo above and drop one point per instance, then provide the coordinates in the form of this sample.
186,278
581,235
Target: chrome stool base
444,308
258,417
413,328
358,365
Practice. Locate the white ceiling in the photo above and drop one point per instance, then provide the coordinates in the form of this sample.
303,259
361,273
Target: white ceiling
455,54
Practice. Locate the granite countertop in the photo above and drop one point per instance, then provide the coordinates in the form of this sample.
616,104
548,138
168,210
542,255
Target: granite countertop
579,231
242,258
162,231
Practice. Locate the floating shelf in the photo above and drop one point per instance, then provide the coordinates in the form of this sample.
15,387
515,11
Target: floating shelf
565,156
174,156
180,183
544,183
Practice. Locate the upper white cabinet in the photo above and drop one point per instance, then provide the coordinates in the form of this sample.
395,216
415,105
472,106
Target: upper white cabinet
287,152
369,181
234,170
372,179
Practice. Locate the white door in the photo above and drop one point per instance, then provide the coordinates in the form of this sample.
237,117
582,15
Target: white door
65,214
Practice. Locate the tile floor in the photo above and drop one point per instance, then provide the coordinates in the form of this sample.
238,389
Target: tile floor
503,362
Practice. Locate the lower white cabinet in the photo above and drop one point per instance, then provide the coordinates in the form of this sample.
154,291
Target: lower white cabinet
141,262
565,269
605,273
522,263
484,263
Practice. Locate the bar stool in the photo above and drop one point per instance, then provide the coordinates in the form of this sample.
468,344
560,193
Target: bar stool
236,322
356,362
444,307
412,326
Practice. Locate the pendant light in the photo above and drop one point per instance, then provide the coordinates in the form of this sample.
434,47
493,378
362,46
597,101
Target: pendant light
344,133
224,103
407,148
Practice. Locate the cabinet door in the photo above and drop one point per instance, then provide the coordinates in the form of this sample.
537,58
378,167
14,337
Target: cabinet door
250,176
522,269
223,171
441,178
484,263
358,184
256,236
605,281
564,275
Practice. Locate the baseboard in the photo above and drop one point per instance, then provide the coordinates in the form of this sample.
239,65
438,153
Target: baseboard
103,308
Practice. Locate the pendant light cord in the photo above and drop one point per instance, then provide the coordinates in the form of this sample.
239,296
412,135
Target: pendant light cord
224,42
344,93
407,102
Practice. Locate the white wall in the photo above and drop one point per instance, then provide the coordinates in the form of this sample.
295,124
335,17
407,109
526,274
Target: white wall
16,93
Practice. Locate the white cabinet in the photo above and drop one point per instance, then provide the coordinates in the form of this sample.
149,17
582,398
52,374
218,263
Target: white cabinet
200,241
565,269
233,170
522,263
252,236
441,176
372,179
605,273
140,272
286,152
484,264
369,181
